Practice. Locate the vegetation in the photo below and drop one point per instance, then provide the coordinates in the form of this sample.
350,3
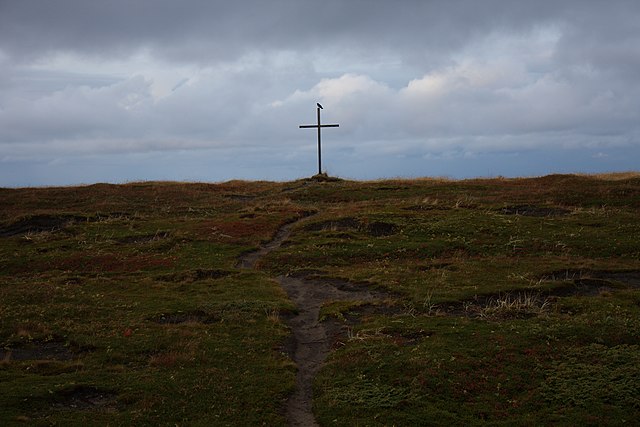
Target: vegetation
498,301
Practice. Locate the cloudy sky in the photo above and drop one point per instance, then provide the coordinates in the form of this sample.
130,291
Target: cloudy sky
207,90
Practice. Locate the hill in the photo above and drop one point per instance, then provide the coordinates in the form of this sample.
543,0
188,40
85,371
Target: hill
398,302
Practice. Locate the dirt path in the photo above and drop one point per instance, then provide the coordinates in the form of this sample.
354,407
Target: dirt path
312,339
250,259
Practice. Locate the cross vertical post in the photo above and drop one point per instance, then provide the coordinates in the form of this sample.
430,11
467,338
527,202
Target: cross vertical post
319,151
319,126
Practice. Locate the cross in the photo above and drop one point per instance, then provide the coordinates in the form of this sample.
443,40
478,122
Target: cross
319,126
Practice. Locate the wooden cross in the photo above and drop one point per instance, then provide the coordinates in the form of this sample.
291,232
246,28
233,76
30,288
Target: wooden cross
319,126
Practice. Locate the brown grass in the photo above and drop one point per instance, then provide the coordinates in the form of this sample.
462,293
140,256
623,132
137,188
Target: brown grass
613,176
171,358
111,262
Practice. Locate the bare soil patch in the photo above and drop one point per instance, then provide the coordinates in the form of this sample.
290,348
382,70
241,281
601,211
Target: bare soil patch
588,277
339,284
38,350
630,278
83,398
411,338
537,211
37,224
341,236
380,229
502,306
51,223
195,275
391,188
525,304
342,224
583,287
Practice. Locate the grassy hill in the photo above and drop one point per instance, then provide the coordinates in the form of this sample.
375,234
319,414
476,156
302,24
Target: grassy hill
489,301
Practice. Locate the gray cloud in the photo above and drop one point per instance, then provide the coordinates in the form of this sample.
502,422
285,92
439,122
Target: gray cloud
416,81
204,31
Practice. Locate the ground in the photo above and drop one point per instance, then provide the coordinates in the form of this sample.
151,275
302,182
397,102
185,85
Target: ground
494,301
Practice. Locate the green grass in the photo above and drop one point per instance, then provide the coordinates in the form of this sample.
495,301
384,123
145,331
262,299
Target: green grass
479,330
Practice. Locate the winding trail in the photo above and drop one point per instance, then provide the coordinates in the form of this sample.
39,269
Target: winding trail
250,259
312,339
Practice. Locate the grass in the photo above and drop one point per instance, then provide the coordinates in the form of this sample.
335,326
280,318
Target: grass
510,301
508,306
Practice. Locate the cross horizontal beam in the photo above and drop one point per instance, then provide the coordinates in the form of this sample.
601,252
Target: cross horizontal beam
322,126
